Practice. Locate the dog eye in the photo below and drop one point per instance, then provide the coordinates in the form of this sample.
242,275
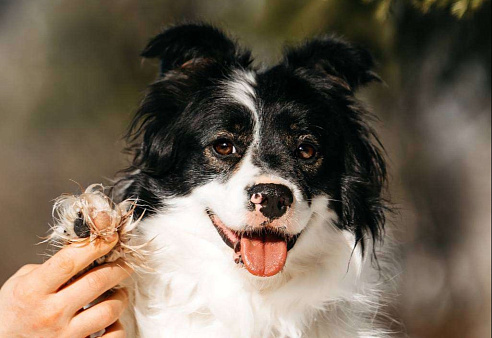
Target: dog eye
224,147
306,151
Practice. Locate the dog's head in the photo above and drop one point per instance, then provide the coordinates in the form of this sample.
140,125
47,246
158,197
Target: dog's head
261,151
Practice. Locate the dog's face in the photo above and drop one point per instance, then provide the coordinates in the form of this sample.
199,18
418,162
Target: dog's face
260,151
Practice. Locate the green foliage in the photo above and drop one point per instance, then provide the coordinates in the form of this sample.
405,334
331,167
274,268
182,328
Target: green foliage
458,8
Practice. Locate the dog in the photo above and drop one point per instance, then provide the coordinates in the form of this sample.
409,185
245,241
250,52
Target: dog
260,191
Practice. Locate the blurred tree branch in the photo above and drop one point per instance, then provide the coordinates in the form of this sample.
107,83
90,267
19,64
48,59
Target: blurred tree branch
458,8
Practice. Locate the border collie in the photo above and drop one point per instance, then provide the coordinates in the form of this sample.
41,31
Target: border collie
260,191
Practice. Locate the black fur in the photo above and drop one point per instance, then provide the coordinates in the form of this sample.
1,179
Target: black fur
335,57
308,97
180,44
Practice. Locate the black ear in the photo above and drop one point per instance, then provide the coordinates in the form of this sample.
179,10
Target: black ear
334,57
192,44
363,207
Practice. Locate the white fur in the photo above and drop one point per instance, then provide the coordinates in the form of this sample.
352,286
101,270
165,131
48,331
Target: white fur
197,290
241,88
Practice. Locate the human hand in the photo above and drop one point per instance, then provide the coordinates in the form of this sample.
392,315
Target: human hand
37,302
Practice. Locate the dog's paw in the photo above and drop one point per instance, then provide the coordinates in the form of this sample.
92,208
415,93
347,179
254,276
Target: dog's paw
92,215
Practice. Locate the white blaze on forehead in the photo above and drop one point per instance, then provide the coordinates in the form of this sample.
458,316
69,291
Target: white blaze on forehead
241,87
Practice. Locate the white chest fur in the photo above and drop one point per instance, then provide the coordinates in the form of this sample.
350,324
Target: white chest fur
196,289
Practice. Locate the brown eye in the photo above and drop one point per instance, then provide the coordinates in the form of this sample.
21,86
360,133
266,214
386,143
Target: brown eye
224,147
306,151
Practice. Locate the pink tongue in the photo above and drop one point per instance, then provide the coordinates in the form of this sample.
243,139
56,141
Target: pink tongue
263,255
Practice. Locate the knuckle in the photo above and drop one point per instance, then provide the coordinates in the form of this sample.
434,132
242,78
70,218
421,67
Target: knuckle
66,264
27,268
22,292
96,281
50,315
50,319
109,313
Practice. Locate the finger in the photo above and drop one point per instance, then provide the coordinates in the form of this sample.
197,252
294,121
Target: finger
100,315
25,270
67,262
94,283
115,331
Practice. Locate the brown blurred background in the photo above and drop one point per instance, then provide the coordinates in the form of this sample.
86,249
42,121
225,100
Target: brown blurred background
71,78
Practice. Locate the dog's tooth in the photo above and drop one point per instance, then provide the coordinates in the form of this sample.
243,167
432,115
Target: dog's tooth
237,257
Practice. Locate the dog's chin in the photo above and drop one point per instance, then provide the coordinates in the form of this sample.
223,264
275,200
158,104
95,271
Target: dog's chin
263,252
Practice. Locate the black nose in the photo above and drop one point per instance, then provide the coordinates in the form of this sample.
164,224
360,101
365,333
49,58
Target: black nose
273,199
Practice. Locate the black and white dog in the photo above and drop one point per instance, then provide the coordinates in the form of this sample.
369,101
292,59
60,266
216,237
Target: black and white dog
261,189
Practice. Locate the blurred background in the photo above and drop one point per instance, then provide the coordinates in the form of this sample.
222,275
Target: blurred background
71,79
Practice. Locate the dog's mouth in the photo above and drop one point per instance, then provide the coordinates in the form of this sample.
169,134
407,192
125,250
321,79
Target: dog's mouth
263,252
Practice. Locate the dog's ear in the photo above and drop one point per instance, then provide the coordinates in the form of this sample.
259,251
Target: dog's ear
334,57
363,207
194,45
